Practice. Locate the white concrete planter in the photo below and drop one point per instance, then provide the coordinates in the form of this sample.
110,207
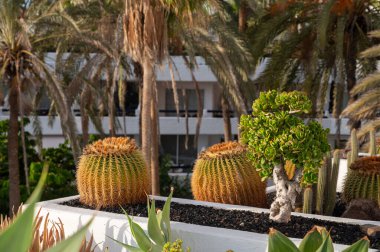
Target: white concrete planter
198,238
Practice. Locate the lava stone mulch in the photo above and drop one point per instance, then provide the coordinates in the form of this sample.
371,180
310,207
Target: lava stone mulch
243,220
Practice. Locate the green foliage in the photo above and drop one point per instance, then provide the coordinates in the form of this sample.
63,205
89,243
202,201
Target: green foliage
316,240
158,236
275,133
182,189
22,227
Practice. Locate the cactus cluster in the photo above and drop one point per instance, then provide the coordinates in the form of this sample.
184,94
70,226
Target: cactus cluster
363,181
223,173
112,171
327,183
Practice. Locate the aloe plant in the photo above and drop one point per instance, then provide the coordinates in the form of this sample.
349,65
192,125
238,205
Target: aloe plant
159,231
318,239
22,227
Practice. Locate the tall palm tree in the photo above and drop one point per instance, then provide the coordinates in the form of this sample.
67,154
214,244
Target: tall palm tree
307,42
366,107
22,70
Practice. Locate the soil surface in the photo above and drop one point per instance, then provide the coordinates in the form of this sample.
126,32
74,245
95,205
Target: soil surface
243,220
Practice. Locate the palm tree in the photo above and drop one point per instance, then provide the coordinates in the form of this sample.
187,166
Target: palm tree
22,71
366,107
307,42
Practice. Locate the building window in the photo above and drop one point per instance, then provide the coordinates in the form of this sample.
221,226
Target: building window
174,145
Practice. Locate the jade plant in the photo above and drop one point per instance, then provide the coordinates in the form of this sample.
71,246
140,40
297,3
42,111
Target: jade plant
316,240
111,172
275,133
224,174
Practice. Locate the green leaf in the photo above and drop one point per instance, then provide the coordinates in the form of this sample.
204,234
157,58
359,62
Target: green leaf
311,242
22,228
278,242
327,245
165,219
138,233
74,242
359,246
154,230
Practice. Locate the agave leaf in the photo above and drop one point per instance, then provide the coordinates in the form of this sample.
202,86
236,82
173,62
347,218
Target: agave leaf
312,241
165,218
22,227
141,238
278,242
154,230
74,242
128,247
360,246
327,245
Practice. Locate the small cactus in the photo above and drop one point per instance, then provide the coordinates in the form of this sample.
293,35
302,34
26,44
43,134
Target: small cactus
364,180
354,146
223,173
111,172
327,182
308,200
372,142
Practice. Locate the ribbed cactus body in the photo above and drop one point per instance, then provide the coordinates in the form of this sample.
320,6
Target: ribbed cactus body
112,171
372,142
308,200
364,180
223,174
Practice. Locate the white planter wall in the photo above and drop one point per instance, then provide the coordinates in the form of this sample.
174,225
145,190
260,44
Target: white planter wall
198,238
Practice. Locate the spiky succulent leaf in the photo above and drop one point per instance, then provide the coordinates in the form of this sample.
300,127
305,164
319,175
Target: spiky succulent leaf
278,242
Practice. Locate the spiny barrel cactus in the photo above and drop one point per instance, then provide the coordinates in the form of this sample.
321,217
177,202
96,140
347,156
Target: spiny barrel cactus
224,174
112,171
364,180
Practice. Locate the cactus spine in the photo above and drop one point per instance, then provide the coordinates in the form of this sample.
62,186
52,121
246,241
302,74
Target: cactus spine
307,200
223,173
372,142
111,172
327,183
364,180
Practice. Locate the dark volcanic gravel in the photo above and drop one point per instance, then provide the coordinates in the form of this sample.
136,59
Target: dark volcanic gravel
243,220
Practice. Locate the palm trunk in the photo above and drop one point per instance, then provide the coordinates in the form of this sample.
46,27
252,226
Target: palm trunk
226,119
111,105
13,165
146,123
243,11
85,99
286,194
154,148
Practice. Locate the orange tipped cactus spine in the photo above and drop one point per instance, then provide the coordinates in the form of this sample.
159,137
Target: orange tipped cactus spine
223,174
363,181
111,172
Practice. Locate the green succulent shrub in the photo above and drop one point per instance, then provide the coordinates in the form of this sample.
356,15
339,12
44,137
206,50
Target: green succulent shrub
276,133
158,236
316,240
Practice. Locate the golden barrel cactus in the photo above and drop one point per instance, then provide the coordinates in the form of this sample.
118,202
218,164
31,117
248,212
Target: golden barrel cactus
363,181
112,171
223,173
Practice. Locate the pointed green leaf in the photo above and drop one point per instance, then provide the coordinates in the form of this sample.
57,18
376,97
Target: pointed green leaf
165,219
138,233
22,227
360,246
128,247
327,245
154,230
74,242
311,242
278,242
